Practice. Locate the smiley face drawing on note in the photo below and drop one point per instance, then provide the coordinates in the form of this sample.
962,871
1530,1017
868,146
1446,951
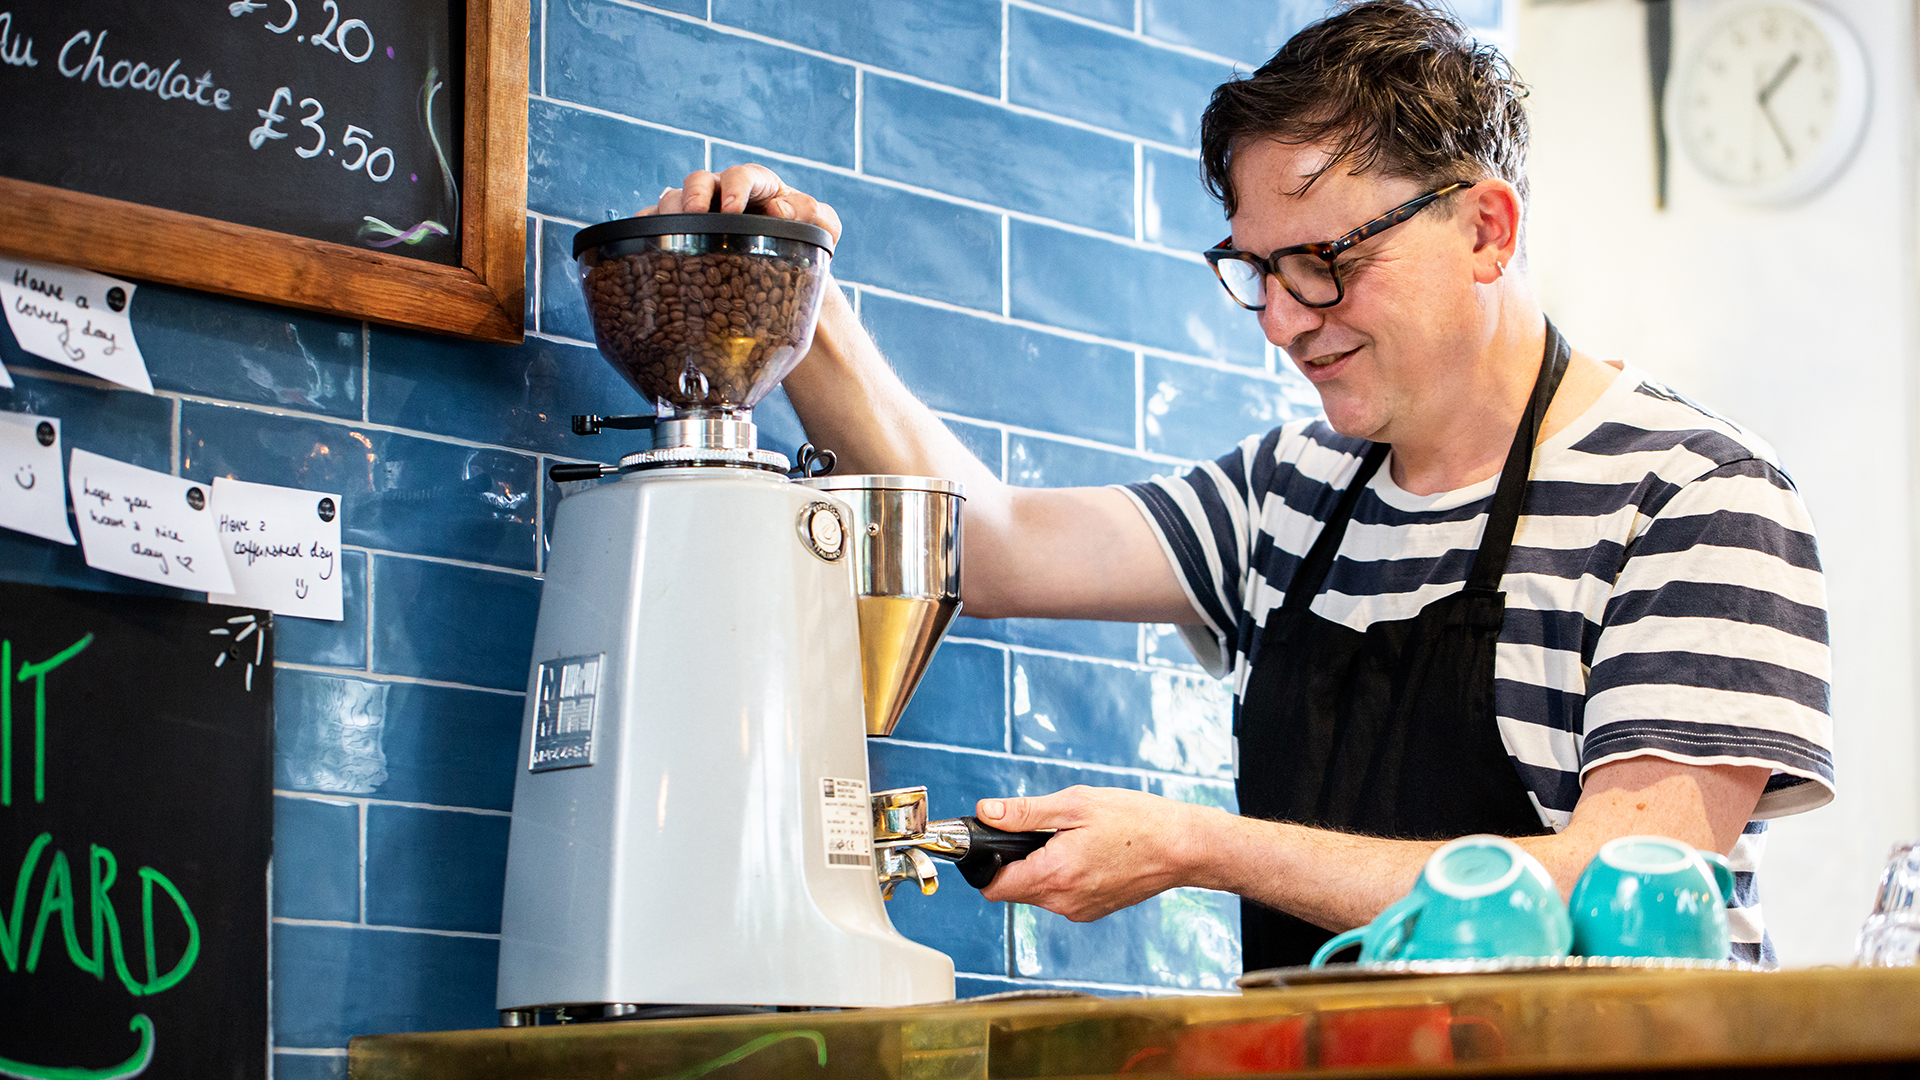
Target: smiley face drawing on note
282,546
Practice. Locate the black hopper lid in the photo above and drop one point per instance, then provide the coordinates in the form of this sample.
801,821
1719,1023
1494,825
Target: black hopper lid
608,232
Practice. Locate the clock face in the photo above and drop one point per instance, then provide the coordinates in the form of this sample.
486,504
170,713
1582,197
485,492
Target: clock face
1772,100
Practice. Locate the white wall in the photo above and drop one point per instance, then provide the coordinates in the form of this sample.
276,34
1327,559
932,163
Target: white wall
1797,322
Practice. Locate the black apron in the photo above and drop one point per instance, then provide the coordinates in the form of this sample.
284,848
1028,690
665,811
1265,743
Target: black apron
1390,732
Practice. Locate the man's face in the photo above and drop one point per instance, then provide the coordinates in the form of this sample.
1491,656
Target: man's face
1386,359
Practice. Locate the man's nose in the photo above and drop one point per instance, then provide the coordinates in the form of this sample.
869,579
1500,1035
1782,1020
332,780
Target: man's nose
1285,319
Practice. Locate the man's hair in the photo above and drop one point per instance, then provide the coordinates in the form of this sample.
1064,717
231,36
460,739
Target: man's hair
1395,87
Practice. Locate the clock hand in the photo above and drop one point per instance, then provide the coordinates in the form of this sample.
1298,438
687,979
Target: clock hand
1774,122
1773,84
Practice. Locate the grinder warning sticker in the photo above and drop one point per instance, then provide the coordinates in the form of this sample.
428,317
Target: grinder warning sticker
563,713
846,817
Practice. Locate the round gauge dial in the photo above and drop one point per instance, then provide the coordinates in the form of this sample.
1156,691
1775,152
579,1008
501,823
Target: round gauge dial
1772,100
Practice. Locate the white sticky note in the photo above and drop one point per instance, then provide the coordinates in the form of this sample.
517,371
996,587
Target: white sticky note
146,524
33,498
74,317
282,547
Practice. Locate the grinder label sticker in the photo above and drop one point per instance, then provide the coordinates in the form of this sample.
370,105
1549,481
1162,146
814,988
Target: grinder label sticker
563,713
846,817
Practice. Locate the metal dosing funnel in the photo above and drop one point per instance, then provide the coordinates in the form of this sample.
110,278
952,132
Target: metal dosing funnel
906,563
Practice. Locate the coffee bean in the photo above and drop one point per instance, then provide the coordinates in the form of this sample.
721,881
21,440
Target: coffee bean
700,330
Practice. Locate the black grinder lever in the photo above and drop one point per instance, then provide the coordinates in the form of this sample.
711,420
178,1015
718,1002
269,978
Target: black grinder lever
989,849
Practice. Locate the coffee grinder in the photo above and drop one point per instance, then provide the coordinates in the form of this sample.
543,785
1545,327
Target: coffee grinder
692,827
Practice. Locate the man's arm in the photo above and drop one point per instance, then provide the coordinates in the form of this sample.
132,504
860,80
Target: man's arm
1116,847
1058,553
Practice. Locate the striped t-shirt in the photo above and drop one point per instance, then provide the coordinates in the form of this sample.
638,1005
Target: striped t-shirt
1663,595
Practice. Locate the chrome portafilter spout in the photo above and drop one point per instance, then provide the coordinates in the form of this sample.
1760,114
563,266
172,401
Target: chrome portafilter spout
905,843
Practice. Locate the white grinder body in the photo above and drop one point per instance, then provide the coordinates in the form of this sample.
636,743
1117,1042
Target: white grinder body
694,646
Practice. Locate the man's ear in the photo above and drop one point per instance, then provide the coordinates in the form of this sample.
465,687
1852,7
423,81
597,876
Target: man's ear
1492,210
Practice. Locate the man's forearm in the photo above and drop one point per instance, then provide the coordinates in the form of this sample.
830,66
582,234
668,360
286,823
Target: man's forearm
852,403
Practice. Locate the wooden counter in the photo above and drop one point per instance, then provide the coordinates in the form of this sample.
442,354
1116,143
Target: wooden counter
1851,1021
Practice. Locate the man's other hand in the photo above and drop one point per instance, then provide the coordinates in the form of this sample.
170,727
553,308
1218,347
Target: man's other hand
745,189
1112,849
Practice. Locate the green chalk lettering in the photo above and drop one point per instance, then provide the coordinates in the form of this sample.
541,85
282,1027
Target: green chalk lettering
133,1066
156,983
58,897
10,926
6,726
38,673
106,924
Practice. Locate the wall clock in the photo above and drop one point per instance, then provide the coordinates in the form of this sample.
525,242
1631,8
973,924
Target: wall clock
1771,100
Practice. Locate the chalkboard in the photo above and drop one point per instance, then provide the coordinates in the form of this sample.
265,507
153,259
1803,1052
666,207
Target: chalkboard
374,143
135,829
286,114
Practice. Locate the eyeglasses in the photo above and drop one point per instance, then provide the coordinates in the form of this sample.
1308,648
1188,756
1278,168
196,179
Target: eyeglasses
1307,271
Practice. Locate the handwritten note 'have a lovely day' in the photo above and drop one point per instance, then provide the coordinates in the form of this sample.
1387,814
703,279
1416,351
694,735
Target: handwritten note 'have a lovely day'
145,524
73,317
282,547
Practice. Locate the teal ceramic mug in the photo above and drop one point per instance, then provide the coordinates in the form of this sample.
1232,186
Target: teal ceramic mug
1479,897
1652,896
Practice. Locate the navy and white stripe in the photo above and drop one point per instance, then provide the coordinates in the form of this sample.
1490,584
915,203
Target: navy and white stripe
1664,594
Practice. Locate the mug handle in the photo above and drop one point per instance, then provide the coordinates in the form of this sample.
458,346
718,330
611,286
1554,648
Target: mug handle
1722,874
1336,943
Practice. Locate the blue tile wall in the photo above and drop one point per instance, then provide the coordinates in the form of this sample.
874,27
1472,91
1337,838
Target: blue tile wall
1024,253
1108,79
956,42
939,140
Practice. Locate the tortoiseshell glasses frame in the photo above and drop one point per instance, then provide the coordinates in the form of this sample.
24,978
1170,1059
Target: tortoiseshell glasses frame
1307,271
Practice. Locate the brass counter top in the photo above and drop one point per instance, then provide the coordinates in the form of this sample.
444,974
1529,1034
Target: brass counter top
1504,1024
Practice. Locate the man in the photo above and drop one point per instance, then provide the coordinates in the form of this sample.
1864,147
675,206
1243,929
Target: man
1500,586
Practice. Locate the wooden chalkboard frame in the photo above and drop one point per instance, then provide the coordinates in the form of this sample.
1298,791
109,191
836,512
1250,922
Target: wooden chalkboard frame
484,298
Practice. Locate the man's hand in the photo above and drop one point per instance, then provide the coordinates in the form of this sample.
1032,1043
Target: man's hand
745,189
1113,848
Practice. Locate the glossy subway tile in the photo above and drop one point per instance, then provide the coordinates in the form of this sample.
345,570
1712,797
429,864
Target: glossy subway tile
1033,461
1083,637
1175,209
1108,714
1103,287
937,140
563,310
216,346
1005,374
524,397
316,859
1113,12
435,869
452,623
899,240
688,76
325,642
1246,30
1182,939
560,138
331,983
961,700
956,42
1200,413
397,492
1111,80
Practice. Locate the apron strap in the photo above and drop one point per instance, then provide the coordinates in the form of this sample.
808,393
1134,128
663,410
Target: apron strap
1313,569
1503,517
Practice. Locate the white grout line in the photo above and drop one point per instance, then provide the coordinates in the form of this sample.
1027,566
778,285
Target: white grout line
1006,267
533,287
366,370
1133,771
1009,430
362,801
282,920
859,119
1139,401
1054,654
544,16
362,814
1139,194
1006,45
173,437
383,677
444,561
311,1051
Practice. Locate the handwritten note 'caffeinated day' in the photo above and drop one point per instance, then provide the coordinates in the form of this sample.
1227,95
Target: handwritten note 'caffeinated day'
146,524
282,547
74,317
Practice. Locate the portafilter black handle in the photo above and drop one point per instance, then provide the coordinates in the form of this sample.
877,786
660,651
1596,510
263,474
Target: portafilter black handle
989,849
